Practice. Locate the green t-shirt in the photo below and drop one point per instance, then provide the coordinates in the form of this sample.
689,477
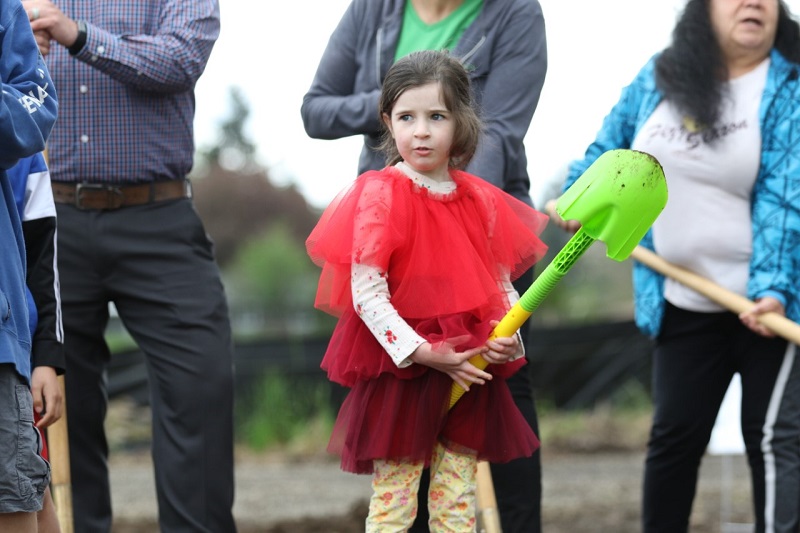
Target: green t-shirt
415,35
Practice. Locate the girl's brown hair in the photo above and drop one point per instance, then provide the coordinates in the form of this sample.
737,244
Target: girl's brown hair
430,66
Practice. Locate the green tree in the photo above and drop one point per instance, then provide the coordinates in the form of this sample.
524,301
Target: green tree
238,206
234,150
273,280
234,194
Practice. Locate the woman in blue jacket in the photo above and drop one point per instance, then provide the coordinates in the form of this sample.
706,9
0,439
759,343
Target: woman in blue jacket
720,109
502,44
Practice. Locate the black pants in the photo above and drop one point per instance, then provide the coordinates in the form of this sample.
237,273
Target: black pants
156,264
518,483
695,358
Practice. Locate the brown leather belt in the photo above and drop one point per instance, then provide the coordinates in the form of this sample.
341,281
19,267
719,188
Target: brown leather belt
107,196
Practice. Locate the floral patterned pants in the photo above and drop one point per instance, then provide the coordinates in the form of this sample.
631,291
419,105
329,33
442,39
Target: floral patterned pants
451,498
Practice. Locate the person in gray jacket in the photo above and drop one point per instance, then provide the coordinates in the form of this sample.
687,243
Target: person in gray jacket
502,44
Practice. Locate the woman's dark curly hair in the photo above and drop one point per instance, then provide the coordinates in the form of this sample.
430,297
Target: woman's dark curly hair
691,71
421,68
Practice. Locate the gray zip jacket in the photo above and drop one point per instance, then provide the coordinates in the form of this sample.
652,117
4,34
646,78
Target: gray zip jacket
504,50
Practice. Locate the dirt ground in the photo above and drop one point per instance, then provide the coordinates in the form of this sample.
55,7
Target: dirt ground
597,492
591,479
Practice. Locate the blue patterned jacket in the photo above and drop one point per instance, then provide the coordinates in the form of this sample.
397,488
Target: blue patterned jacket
775,261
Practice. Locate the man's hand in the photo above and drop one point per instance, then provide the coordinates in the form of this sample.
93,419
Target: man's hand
48,398
48,23
43,42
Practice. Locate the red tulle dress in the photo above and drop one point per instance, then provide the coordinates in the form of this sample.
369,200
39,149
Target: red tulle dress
444,256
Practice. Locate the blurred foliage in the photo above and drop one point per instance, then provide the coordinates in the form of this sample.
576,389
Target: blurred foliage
279,412
596,289
272,284
620,424
117,338
237,206
234,194
233,150
273,268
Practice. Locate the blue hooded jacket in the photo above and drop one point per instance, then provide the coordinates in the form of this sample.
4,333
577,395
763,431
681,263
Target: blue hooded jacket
28,108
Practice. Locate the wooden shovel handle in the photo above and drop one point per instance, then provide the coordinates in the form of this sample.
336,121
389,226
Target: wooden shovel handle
58,452
778,324
488,516
60,483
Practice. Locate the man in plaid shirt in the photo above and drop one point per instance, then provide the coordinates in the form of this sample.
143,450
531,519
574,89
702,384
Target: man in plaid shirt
128,234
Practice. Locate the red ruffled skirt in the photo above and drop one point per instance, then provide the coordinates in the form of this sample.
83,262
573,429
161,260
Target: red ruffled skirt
402,419
400,413
443,256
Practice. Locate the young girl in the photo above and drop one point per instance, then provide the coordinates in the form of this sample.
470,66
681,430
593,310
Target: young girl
417,261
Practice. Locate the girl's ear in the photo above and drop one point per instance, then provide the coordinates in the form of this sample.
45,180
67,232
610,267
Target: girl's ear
387,120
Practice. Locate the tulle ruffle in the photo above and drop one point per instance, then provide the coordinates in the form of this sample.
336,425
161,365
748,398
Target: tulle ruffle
444,254
402,419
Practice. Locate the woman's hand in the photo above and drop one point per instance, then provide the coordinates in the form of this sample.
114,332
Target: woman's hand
763,305
569,225
454,364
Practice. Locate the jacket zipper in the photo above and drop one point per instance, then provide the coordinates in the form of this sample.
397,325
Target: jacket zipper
474,49
378,48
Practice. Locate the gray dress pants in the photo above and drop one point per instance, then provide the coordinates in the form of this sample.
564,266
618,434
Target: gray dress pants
156,264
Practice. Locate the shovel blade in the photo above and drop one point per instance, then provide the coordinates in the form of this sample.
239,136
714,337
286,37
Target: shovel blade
617,199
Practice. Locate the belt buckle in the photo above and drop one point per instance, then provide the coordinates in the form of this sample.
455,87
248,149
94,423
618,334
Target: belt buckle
113,194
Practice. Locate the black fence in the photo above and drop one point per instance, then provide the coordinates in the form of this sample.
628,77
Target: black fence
573,367
579,366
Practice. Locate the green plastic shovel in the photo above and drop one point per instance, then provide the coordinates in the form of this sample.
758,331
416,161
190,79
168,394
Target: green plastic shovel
616,201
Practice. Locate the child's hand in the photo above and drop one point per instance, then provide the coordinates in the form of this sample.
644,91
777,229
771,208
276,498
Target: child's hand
501,349
454,364
48,398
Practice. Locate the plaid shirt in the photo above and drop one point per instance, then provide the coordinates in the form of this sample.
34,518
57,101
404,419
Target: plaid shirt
127,109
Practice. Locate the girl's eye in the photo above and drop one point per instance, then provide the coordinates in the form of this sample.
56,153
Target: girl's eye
438,116
404,118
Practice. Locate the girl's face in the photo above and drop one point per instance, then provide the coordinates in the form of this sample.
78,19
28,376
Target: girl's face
422,129
744,27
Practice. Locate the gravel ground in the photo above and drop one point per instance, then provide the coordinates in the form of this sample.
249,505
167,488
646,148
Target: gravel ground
582,493
591,481
268,491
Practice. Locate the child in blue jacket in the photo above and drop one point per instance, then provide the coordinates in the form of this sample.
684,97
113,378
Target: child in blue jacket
28,109
33,195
